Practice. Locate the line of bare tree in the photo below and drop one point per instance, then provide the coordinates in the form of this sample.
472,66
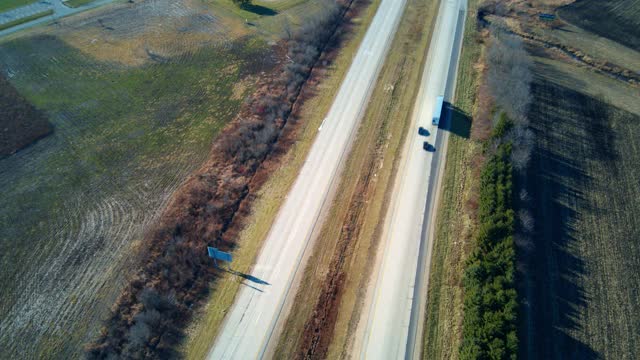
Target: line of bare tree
149,317
509,80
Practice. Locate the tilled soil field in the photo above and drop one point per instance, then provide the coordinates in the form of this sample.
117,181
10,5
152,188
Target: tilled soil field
581,265
617,19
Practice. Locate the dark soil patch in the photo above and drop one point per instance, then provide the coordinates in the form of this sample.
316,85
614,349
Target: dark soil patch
616,20
20,122
581,269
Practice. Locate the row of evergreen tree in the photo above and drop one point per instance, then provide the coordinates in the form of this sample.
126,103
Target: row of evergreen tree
490,299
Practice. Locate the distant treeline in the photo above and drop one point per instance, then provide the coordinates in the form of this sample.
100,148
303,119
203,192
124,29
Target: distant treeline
149,318
20,122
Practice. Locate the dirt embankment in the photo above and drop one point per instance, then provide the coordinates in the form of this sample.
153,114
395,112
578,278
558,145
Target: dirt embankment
149,317
20,122
319,328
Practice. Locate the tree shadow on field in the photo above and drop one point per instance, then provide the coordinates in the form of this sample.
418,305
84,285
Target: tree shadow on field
570,128
259,9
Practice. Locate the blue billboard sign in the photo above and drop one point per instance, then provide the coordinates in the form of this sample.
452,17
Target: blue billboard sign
219,255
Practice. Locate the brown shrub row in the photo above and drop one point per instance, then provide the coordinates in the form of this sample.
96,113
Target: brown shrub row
150,315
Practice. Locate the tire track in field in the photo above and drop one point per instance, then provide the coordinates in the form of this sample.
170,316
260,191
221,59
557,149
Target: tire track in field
84,247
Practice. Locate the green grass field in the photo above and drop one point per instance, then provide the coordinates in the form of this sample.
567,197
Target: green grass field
75,202
7,5
585,259
135,94
618,20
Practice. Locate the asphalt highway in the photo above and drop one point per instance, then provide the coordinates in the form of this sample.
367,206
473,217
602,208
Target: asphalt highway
394,319
250,323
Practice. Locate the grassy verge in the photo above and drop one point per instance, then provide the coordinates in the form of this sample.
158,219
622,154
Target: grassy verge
77,3
7,5
346,246
454,224
270,198
24,20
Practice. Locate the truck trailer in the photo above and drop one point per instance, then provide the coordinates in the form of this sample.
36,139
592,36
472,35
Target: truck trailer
437,110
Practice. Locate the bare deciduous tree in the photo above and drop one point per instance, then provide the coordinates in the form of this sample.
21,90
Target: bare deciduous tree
509,75
509,79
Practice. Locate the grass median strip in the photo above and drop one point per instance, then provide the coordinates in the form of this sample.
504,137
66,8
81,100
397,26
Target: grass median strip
24,20
339,268
77,3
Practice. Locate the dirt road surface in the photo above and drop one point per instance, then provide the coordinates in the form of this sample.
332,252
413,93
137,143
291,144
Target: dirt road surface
249,325
393,326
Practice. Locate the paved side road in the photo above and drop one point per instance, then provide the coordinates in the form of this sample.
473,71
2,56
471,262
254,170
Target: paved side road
248,327
394,320
58,7
24,11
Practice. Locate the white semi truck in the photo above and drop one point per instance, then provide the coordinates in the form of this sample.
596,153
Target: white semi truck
437,113
437,110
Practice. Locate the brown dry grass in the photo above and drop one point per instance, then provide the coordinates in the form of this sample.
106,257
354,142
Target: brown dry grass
126,34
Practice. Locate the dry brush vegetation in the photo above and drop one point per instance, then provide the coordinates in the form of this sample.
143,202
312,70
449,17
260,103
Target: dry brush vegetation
152,312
